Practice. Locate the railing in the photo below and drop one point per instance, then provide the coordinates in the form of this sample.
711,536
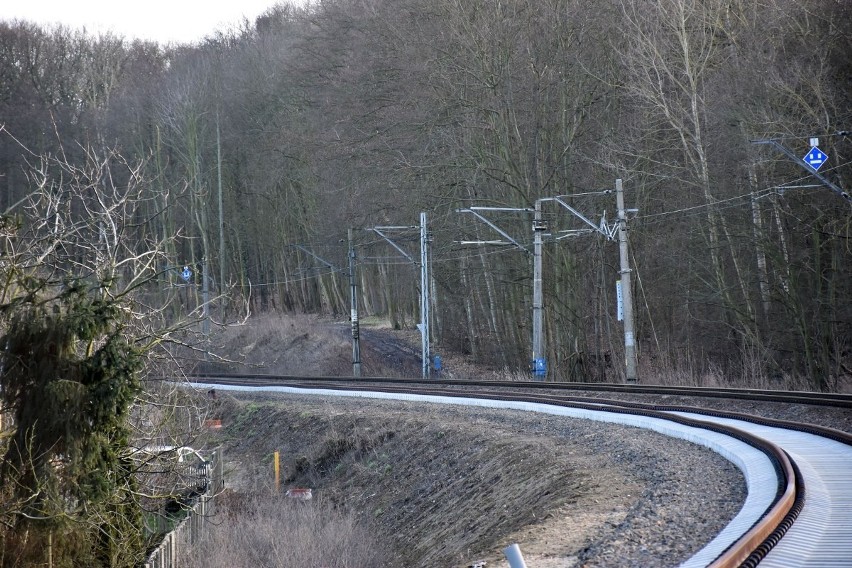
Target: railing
193,527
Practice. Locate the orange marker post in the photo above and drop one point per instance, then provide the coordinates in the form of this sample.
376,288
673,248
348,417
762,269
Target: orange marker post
277,471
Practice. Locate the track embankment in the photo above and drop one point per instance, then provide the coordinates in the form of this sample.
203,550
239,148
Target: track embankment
657,525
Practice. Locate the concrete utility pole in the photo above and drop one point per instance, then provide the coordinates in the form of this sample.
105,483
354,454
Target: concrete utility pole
627,294
539,360
424,295
356,336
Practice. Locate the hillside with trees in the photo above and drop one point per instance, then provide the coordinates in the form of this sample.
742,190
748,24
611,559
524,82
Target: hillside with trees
254,151
148,192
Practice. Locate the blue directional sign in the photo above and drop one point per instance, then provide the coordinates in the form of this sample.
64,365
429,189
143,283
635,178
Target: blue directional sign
186,274
815,158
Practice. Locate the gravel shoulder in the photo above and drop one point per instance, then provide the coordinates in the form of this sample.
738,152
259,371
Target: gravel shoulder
448,485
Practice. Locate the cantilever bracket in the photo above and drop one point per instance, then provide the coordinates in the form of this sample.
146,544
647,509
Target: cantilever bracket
807,167
475,212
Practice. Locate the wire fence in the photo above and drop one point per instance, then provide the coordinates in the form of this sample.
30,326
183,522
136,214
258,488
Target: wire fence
192,528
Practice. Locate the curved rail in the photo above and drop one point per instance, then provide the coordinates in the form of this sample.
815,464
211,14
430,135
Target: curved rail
753,546
794,397
747,550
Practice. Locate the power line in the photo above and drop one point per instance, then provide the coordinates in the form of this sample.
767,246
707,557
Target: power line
838,134
285,282
698,208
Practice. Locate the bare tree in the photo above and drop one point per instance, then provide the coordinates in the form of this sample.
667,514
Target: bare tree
81,319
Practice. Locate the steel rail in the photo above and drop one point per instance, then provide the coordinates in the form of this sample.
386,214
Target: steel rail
762,395
747,550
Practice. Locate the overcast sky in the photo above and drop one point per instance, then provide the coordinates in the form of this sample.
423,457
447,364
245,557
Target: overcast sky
182,21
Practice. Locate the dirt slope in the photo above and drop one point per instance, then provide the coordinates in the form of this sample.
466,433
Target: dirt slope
446,486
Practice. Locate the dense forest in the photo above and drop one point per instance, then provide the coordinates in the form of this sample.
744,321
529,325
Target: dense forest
253,152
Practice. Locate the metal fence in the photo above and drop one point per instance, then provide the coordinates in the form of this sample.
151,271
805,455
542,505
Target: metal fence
192,528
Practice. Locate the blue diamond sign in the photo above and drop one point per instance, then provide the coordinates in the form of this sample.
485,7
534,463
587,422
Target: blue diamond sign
186,274
815,158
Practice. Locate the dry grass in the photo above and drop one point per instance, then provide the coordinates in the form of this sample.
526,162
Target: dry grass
676,369
296,344
274,531
436,489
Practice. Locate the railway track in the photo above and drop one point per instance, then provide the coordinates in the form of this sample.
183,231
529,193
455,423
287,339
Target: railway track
799,476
